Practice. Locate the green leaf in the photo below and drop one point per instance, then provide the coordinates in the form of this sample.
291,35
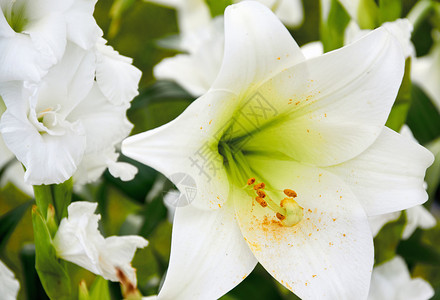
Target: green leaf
154,213
32,283
51,270
432,177
99,289
415,250
387,240
423,117
399,112
368,14
62,196
9,221
217,7
389,10
333,28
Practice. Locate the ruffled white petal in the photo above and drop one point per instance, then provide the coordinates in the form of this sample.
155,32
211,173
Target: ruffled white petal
8,284
117,78
79,241
329,254
388,176
378,221
208,255
257,46
188,146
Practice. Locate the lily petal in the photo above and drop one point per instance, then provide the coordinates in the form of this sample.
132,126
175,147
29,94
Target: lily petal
208,255
331,108
257,46
388,176
188,145
329,253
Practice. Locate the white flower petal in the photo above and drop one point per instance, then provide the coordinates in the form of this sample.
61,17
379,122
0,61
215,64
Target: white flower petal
417,216
257,46
329,254
208,255
388,176
290,12
48,35
9,286
105,124
312,49
48,159
21,61
392,280
117,78
81,26
425,71
118,251
331,108
378,221
122,170
188,146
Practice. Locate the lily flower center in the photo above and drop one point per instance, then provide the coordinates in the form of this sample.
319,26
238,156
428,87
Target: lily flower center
288,211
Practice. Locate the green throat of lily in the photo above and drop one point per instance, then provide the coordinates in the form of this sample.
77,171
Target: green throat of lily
241,172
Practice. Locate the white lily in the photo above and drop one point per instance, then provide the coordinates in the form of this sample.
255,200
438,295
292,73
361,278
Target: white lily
392,280
9,286
313,126
34,34
79,241
51,127
425,71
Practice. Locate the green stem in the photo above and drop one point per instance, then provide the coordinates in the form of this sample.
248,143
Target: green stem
43,197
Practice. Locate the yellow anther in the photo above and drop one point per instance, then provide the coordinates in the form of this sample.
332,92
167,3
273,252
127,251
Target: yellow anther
290,193
280,217
261,201
294,212
259,186
261,193
251,181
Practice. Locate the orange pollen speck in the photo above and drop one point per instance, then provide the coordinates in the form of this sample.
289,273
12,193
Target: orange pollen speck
251,181
261,201
261,193
259,186
278,58
280,216
290,193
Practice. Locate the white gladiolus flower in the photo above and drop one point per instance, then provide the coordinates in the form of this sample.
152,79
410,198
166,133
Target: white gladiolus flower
313,132
34,34
392,280
54,125
79,241
9,286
